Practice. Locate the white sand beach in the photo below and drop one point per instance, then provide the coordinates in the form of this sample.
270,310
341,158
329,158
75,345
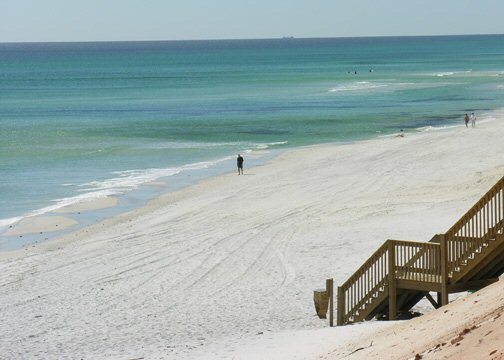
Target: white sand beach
226,268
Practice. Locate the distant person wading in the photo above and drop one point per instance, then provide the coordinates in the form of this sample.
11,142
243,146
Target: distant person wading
473,120
239,163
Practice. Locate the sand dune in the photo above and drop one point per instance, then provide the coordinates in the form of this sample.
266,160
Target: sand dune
469,328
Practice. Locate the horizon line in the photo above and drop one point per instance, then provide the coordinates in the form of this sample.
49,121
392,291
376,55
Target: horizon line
249,39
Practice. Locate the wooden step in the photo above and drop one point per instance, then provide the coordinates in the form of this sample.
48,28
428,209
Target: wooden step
492,253
368,309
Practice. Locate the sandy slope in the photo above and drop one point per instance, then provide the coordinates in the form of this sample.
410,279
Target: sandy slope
469,328
205,270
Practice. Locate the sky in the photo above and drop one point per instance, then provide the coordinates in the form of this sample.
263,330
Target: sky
110,20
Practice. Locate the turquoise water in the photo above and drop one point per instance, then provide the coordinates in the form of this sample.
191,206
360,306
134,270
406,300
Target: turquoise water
93,119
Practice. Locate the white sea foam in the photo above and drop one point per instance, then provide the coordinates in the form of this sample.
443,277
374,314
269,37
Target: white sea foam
435,128
423,129
9,221
188,145
369,86
451,73
358,86
124,181
405,84
58,204
128,180
447,73
278,143
268,145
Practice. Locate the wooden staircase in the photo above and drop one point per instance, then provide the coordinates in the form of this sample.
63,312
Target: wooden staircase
469,256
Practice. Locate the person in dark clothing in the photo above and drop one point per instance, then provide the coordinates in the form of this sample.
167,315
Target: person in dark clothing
239,163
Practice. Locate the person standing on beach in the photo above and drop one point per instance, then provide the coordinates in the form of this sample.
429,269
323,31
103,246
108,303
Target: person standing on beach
239,163
466,120
473,120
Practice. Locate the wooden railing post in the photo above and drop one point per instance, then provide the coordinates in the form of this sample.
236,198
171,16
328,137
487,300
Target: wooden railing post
391,280
340,319
444,271
330,292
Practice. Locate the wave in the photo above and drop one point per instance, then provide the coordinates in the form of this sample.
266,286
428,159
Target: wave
427,128
451,73
128,180
204,145
473,73
268,145
188,145
435,128
358,85
368,86
10,221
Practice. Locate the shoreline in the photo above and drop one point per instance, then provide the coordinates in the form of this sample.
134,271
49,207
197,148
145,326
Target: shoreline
36,229
40,225
210,267
149,204
52,224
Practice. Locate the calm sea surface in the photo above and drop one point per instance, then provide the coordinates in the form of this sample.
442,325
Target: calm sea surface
94,119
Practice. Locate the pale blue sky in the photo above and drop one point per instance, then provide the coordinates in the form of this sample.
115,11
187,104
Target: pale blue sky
93,20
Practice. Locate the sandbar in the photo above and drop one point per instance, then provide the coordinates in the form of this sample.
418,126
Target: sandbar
89,205
41,224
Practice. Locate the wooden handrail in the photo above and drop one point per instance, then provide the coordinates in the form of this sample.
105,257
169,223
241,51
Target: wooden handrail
419,261
476,228
366,264
479,204
361,286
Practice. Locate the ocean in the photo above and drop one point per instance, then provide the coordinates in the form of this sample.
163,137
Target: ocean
88,120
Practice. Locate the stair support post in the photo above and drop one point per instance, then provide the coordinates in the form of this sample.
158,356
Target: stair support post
340,316
444,271
330,293
392,292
